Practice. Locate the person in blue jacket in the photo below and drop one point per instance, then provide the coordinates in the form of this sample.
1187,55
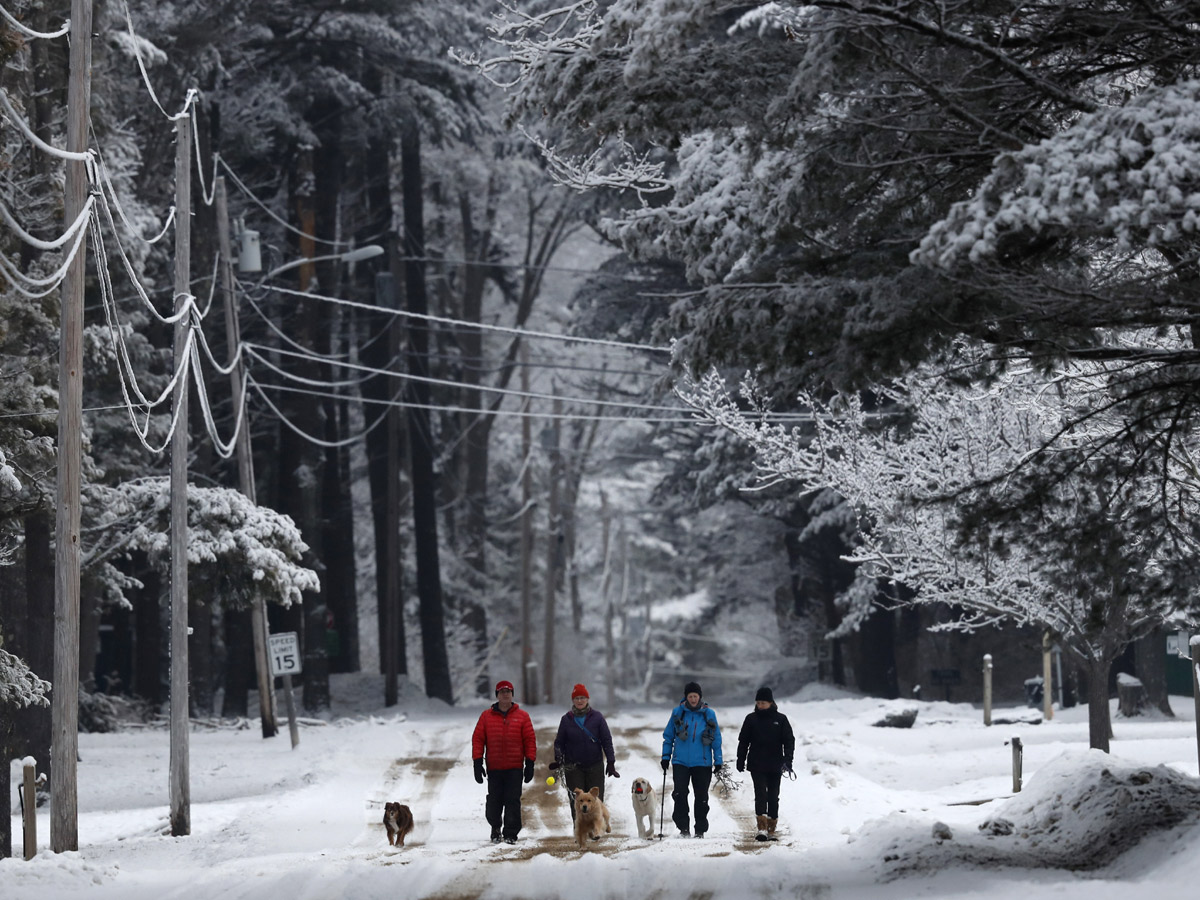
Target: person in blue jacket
582,745
692,741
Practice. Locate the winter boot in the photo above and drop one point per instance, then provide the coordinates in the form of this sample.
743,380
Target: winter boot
762,828
771,829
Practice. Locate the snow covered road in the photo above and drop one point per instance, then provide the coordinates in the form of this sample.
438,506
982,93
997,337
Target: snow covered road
304,824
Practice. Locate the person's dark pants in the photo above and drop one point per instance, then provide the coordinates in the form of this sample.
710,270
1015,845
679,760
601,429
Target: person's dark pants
503,807
585,778
766,793
699,777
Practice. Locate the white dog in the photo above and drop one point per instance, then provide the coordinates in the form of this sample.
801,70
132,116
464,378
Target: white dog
643,807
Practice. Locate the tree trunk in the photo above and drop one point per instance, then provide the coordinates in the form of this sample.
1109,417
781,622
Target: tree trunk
300,461
8,751
239,664
553,558
1099,714
148,639
476,246
424,498
380,348
875,660
200,657
1150,666
37,646
89,639
529,689
583,438
337,521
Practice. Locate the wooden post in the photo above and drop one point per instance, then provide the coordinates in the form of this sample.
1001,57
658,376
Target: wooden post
528,689
1194,648
289,701
29,806
553,548
987,689
64,709
181,815
245,461
1047,681
1017,760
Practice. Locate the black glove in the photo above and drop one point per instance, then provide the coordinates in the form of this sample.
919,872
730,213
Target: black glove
528,771
719,771
554,765
611,771
666,764
479,771
741,765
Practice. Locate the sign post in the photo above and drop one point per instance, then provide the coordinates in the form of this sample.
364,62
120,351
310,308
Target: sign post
284,650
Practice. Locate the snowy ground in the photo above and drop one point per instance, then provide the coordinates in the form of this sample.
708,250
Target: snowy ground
859,821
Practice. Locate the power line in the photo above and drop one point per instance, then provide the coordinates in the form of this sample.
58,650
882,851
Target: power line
192,93
480,413
29,32
441,382
219,160
460,323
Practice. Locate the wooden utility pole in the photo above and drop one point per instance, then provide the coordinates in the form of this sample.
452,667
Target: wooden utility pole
1047,680
553,549
245,461
64,743
1018,756
987,689
528,688
180,790
28,807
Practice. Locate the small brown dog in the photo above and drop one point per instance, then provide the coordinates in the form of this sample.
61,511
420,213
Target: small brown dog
398,820
590,814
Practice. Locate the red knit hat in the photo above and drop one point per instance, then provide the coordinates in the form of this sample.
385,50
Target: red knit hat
579,691
503,686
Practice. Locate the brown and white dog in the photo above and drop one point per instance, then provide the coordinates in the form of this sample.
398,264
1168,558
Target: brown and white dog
398,820
590,814
643,807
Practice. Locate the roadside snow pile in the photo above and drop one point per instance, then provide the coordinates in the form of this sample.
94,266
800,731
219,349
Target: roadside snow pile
1080,812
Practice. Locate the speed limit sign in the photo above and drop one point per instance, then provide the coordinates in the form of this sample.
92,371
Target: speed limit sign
285,653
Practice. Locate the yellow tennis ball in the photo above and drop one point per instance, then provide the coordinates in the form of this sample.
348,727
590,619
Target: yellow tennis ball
550,780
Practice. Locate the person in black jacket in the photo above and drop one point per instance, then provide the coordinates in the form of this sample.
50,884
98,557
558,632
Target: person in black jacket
766,746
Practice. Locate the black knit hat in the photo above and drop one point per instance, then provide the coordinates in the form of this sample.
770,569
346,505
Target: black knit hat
764,693
692,688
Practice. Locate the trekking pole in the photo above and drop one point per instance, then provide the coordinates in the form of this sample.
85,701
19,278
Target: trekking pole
662,807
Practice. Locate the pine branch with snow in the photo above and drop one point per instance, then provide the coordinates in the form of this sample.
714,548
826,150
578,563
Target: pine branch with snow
237,550
19,686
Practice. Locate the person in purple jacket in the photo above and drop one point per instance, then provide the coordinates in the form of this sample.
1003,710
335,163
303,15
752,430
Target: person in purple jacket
582,746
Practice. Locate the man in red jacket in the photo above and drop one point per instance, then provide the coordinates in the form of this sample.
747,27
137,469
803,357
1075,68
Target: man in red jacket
504,734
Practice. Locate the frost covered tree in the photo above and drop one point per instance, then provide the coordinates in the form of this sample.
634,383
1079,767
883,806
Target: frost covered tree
950,504
805,150
19,687
852,186
237,551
